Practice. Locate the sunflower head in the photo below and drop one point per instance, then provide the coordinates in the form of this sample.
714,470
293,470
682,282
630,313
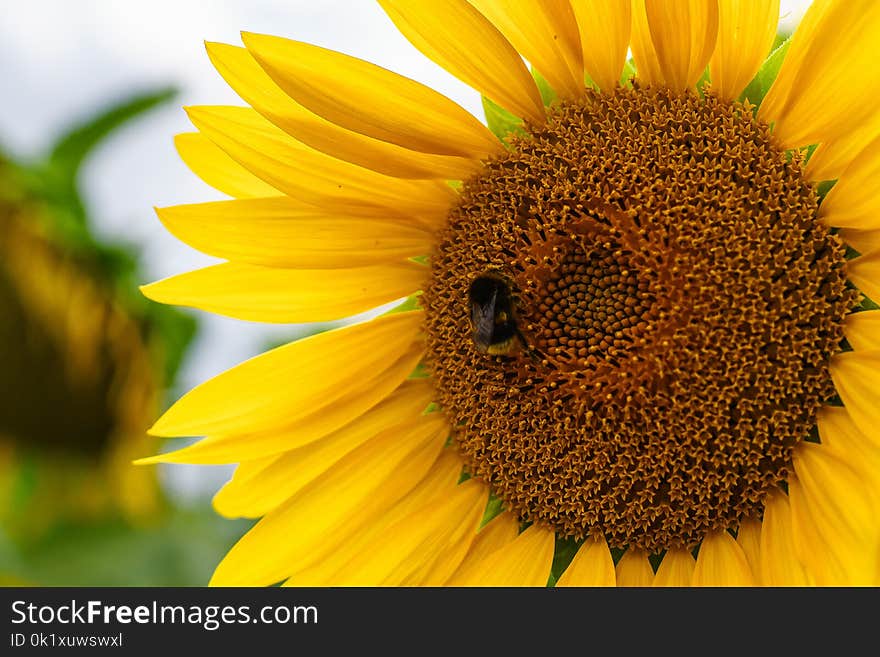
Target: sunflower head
645,344
670,349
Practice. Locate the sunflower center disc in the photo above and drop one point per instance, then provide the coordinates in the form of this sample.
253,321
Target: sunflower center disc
677,304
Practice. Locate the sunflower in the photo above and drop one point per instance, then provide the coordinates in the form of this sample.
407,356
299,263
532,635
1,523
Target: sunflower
66,339
85,360
638,346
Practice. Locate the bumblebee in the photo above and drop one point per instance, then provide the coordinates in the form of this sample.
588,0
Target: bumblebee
492,318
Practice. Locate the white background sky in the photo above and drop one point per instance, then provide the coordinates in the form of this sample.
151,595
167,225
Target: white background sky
63,59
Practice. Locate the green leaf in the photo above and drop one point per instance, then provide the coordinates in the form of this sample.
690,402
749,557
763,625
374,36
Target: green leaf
548,96
654,560
501,123
589,83
701,83
421,372
823,188
629,72
868,304
780,38
806,153
411,303
54,180
563,553
760,85
493,507
72,148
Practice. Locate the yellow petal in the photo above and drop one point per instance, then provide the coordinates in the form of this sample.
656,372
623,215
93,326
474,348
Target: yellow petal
643,51
314,177
856,376
254,85
460,39
842,443
634,569
845,517
746,29
525,561
858,449
779,562
439,536
853,201
449,560
591,566
781,89
406,551
219,170
303,426
260,485
604,27
864,272
676,569
280,232
721,562
440,482
370,100
351,494
829,80
546,34
748,537
288,381
863,330
288,296
863,241
498,532
820,561
683,35
830,158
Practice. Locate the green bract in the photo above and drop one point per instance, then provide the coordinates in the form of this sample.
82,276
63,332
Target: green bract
760,85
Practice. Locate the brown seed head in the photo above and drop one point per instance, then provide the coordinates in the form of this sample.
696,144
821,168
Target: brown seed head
680,302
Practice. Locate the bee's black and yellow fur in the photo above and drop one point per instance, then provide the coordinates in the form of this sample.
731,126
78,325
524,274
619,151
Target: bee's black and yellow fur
492,317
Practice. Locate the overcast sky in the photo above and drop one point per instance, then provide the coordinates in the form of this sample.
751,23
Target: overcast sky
61,59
